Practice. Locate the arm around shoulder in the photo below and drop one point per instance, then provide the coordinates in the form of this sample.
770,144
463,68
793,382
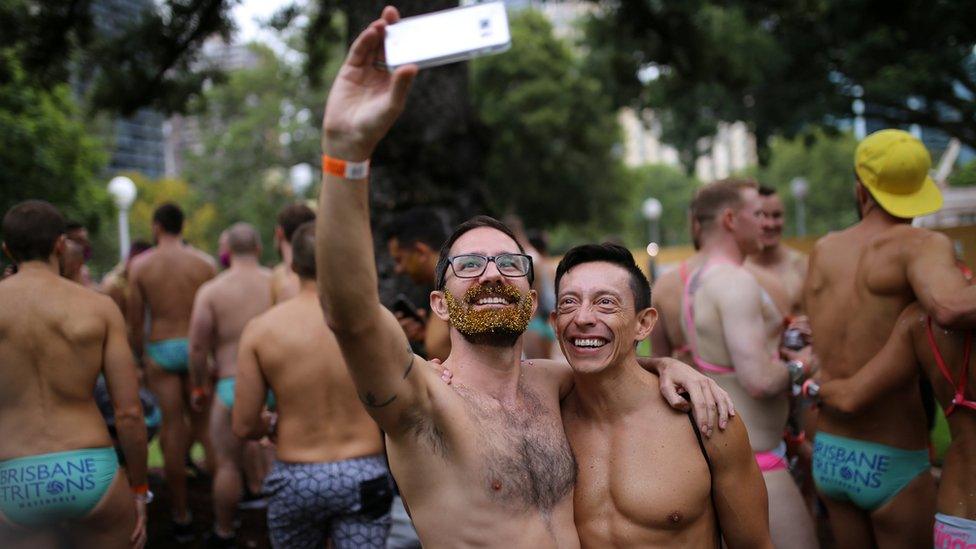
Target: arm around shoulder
738,489
937,281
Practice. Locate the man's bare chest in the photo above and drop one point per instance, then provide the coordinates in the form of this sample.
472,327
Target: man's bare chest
521,453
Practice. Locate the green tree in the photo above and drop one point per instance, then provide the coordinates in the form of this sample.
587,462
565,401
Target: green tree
785,65
551,130
45,150
964,176
827,163
253,128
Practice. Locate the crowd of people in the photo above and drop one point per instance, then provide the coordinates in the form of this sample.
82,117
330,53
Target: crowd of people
512,408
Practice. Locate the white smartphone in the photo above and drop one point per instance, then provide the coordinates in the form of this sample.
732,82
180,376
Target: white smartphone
448,36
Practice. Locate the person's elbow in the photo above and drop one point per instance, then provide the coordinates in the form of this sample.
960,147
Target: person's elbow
947,312
128,415
761,388
247,426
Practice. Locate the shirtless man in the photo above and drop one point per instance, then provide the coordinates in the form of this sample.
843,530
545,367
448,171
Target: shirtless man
330,479
162,283
734,332
780,269
59,475
222,308
616,421
944,357
860,281
494,439
284,281
413,240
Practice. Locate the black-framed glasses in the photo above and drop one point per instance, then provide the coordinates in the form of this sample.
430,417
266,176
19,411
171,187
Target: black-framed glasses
474,265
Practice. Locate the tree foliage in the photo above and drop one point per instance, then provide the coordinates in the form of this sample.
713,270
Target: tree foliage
200,226
551,130
826,161
253,128
784,65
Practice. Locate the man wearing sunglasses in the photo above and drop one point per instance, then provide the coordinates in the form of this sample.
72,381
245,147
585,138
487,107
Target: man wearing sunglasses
485,460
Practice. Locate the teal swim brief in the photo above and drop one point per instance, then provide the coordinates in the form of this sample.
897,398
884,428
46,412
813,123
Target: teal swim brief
865,473
225,392
172,355
50,488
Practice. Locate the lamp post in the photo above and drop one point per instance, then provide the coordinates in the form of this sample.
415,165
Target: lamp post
860,125
123,190
652,209
300,176
799,188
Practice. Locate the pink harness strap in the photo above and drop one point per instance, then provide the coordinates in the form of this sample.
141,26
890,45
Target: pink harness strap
959,399
773,460
689,319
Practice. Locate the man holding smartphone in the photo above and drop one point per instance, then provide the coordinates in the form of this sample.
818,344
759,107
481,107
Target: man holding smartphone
494,439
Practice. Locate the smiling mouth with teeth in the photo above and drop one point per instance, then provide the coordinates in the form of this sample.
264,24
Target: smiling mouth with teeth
590,342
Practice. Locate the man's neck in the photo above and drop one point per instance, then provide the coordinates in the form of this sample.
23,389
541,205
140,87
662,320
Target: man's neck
40,267
243,261
286,253
722,245
494,371
876,217
771,255
166,240
614,391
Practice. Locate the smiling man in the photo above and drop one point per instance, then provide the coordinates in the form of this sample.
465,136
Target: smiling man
779,268
488,451
617,424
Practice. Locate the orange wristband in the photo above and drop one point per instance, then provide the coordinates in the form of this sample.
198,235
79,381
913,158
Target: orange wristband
344,169
198,391
141,489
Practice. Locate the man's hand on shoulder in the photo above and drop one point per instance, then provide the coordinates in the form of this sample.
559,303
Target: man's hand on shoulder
710,404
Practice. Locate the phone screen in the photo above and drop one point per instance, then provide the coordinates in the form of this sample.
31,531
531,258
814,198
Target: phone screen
447,36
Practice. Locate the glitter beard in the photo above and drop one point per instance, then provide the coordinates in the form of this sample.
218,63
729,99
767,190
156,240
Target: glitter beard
498,327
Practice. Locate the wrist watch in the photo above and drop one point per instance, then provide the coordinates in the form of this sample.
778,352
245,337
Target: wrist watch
796,369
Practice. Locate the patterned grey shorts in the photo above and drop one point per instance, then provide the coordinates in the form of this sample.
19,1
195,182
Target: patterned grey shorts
347,501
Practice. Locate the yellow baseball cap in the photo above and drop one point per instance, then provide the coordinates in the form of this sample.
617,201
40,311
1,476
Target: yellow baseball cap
894,166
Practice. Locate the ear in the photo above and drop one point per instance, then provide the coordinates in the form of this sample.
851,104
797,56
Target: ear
438,305
535,301
60,246
727,219
279,233
646,320
422,248
6,252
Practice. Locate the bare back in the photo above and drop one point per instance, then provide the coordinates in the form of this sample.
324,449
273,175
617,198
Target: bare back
856,289
957,488
167,278
233,298
764,418
50,357
782,280
666,298
320,417
504,475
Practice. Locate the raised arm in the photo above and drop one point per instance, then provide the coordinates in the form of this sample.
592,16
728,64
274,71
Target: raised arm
123,387
738,489
363,104
201,346
937,282
251,388
761,374
893,366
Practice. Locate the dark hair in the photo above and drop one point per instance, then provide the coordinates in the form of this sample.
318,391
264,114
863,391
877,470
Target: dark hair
170,218
711,199
539,241
293,216
765,190
444,258
71,226
138,247
609,253
303,250
30,230
425,225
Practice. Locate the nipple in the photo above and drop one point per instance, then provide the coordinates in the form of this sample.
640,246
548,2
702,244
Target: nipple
496,485
674,517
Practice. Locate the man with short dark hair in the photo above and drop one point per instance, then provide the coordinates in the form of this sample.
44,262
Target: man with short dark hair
162,284
222,308
60,478
860,280
329,480
734,329
284,282
494,439
779,268
413,239
616,421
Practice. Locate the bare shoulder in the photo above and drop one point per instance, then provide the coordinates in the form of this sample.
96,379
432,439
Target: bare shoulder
726,274
549,375
729,443
201,255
